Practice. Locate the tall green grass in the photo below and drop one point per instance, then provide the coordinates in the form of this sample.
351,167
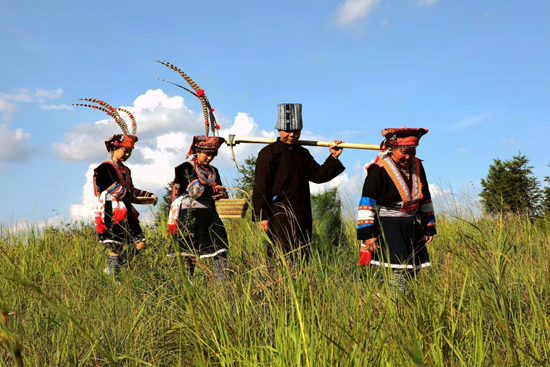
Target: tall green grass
485,301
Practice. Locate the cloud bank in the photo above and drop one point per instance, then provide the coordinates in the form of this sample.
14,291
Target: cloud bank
14,142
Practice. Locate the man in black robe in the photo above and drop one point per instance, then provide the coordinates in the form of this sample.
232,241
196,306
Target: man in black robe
281,197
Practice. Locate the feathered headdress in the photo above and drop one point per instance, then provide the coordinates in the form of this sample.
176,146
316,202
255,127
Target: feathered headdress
118,140
210,123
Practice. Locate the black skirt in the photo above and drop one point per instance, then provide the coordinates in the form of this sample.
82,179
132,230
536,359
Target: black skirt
201,233
123,233
402,244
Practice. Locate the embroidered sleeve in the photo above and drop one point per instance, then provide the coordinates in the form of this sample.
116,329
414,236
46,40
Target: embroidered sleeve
367,222
117,191
427,214
138,192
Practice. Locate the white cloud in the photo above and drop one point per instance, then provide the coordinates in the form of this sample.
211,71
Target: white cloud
7,109
427,2
32,95
469,122
13,145
56,107
165,129
509,140
353,12
437,191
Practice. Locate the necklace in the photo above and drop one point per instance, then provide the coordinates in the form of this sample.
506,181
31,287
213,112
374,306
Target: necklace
404,171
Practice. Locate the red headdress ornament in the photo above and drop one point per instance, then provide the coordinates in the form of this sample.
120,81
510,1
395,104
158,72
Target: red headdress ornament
118,140
403,136
203,142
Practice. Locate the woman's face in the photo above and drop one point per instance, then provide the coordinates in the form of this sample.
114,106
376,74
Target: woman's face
122,154
404,156
205,157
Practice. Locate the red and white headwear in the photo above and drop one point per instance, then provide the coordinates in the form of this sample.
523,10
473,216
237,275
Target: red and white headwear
205,143
402,137
118,140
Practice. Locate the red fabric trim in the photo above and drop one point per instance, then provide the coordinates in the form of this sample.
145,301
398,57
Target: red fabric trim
409,140
99,225
119,215
172,229
365,221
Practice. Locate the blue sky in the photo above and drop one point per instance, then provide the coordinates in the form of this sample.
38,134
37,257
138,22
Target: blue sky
473,72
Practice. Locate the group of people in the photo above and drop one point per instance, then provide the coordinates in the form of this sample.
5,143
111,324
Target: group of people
395,218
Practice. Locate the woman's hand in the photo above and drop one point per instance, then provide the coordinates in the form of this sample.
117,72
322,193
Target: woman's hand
334,150
371,244
222,193
428,239
156,199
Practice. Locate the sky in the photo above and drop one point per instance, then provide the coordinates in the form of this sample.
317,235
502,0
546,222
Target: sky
475,73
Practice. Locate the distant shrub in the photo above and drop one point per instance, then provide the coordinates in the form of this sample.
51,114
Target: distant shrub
327,217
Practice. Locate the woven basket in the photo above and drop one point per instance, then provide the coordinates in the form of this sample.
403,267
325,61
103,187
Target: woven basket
232,208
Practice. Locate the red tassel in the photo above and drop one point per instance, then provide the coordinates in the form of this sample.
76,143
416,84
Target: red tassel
217,126
119,215
200,92
365,258
212,110
99,225
100,101
172,229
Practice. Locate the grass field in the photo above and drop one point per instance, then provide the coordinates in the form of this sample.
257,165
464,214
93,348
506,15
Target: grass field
485,301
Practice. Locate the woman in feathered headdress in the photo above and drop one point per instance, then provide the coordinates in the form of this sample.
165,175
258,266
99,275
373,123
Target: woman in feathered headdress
116,219
193,218
396,215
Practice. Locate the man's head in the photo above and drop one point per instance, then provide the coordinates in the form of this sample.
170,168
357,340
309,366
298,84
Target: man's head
289,117
290,137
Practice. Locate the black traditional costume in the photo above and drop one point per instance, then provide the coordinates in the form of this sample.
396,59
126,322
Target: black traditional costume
396,207
116,219
193,218
281,187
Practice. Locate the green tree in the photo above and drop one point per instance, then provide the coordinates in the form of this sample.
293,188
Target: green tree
546,195
246,180
164,206
510,186
326,208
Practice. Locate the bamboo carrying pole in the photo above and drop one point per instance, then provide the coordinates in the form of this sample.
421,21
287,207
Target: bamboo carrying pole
236,139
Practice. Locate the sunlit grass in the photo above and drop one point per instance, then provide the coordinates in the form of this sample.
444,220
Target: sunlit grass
485,301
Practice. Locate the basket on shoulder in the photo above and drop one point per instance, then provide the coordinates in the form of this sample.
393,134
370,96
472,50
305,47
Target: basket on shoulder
232,208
